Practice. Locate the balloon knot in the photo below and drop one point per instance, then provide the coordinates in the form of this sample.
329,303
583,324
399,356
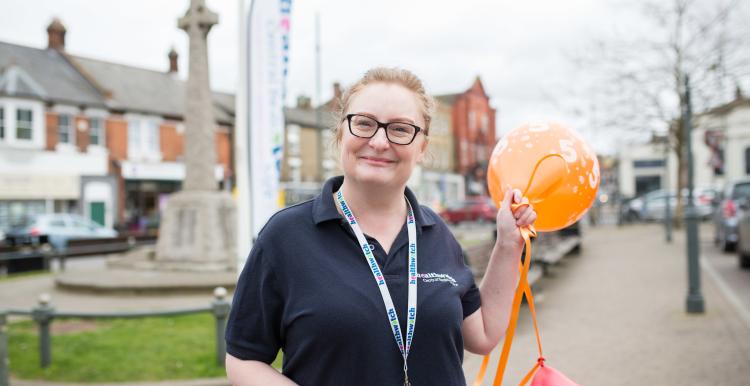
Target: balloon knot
541,361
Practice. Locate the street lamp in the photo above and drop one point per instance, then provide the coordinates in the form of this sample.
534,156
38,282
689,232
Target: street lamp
668,196
694,303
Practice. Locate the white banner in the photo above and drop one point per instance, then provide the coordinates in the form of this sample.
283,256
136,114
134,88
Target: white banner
264,49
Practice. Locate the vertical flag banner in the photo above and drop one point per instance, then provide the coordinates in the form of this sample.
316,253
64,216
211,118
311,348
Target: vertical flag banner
259,127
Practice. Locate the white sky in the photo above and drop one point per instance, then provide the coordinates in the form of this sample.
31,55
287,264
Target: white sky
519,48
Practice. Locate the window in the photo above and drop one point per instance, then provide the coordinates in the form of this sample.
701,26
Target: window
24,124
57,223
480,152
295,166
747,160
2,123
65,129
19,213
464,152
152,136
652,163
134,136
293,139
96,131
143,138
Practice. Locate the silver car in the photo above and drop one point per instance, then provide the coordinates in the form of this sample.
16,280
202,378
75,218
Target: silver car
57,228
727,213
653,206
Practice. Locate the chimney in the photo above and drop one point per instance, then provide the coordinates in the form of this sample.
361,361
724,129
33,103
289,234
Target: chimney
56,35
304,102
172,61
336,91
738,93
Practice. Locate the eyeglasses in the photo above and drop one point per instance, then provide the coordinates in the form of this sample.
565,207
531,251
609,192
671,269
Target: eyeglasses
400,133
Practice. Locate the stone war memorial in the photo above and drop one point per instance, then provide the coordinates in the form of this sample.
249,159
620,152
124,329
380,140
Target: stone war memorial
196,248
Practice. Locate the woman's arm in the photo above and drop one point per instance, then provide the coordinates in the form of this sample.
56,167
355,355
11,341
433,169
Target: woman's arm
254,373
483,329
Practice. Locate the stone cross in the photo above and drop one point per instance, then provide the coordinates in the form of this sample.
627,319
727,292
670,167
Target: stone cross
200,144
197,231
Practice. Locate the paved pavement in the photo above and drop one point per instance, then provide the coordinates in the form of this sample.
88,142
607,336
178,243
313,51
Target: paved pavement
23,293
615,315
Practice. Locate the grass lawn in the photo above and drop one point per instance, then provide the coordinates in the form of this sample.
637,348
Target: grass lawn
148,349
23,275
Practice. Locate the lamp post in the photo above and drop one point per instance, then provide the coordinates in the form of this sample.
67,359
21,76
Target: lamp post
667,197
694,303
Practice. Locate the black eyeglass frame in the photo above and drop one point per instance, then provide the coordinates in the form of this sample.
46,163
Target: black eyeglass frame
349,117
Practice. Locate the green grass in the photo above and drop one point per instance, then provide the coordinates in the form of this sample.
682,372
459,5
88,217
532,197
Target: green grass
23,275
147,349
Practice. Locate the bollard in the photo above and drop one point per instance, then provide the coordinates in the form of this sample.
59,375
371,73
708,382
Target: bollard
220,309
4,361
43,315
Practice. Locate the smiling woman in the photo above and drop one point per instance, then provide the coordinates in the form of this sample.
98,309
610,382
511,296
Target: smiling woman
383,159
348,284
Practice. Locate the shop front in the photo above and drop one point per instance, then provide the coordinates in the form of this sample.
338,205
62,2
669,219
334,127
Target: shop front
147,187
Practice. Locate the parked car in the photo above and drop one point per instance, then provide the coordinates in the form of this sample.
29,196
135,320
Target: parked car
630,209
476,208
652,205
743,232
57,229
726,214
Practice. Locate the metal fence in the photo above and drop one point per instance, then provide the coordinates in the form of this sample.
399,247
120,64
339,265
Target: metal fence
44,315
37,253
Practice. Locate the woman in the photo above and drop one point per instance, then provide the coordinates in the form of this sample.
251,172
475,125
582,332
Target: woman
362,286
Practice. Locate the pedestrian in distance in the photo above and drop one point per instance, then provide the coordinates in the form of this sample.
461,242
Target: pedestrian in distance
362,285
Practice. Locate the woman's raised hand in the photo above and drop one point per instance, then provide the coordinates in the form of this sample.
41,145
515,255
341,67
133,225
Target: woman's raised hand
509,222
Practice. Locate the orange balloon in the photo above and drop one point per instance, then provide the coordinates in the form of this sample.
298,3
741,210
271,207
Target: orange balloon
553,167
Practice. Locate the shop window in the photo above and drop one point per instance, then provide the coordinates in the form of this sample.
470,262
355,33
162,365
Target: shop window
18,213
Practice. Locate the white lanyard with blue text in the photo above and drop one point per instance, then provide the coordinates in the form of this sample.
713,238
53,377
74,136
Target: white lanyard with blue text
390,309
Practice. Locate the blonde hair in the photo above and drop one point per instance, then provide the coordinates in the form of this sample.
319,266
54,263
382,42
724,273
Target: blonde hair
397,76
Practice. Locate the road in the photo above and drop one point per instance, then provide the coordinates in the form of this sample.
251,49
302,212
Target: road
724,268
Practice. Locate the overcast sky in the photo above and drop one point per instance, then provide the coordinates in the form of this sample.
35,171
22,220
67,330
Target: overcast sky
518,48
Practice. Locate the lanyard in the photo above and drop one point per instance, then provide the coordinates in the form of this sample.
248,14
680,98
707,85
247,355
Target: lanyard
378,275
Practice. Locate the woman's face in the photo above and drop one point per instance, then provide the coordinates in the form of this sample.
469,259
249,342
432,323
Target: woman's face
376,160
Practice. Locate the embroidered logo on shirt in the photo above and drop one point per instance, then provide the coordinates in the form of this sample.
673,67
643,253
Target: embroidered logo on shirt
435,277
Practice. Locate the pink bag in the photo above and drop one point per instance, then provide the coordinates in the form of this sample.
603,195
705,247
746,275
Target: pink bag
547,376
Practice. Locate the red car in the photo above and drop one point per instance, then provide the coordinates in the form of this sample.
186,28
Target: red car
477,208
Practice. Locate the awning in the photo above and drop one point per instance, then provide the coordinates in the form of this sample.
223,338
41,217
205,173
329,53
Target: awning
160,171
39,187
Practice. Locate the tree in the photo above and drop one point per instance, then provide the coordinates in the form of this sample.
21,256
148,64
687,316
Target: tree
638,81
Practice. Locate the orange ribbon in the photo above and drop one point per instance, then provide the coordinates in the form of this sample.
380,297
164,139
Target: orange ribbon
523,288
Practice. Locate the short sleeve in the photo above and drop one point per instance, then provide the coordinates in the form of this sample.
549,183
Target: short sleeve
470,299
253,327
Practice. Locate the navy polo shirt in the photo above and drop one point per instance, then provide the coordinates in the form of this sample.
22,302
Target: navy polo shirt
307,289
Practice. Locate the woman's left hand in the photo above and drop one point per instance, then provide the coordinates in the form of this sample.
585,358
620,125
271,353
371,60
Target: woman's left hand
509,222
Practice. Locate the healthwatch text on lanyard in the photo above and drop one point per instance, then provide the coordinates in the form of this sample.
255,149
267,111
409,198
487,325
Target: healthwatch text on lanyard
373,264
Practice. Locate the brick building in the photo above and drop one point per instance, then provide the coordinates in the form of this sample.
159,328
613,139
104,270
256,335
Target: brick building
93,137
473,129
462,137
